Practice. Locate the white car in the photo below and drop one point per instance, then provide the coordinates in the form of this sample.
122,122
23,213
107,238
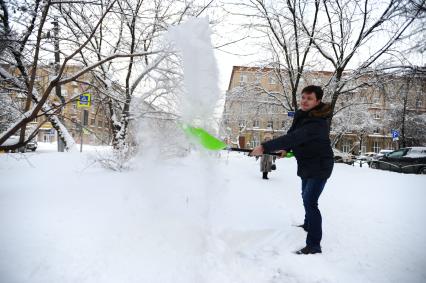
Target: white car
12,140
343,157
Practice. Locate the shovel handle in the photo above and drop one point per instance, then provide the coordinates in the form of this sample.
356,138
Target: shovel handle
249,150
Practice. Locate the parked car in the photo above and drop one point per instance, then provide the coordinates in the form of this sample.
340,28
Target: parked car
31,145
383,152
368,156
343,157
404,160
11,141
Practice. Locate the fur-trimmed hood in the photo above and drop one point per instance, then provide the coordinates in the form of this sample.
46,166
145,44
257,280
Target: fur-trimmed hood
322,110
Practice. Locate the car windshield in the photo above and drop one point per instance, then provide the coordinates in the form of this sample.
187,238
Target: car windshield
397,153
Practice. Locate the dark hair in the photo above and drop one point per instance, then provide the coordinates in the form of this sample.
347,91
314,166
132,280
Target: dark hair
314,89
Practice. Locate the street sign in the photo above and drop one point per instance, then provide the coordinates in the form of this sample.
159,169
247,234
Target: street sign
290,113
395,135
84,101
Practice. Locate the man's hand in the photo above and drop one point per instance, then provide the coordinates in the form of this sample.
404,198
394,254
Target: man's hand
257,151
282,153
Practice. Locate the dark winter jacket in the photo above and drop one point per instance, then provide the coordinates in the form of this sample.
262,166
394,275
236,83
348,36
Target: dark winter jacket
308,137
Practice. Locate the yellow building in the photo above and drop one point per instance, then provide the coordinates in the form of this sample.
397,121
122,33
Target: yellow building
91,123
254,108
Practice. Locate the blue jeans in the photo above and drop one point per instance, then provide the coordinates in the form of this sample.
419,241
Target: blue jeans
311,191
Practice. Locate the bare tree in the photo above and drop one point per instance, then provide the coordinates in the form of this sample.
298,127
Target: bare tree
404,91
354,36
25,56
135,26
279,23
353,116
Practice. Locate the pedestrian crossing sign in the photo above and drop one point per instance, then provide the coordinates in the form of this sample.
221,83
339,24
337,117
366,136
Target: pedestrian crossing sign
84,100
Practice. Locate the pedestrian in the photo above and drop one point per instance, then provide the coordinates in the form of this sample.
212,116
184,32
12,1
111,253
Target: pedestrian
266,163
308,138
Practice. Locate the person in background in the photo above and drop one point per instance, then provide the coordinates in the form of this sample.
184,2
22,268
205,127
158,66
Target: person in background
308,138
266,163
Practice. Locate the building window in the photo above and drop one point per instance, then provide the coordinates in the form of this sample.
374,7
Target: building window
100,123
316,81
243,78
376,99
376,115
376,130
390,145
242,123
256,124
258,78
270,124
282,123
363,149
272,79
419,103
376,147
346,146
92,122
255,141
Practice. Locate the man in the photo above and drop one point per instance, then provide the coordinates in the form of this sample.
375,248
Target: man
308,138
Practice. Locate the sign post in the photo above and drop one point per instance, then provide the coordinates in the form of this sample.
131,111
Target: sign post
395,135
83,102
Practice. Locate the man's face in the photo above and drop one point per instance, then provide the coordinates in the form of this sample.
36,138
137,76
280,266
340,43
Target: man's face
309,101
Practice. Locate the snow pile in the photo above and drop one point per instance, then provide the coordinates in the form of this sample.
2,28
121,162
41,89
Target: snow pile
201,94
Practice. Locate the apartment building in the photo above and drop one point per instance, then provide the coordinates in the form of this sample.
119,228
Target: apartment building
92,124
255,108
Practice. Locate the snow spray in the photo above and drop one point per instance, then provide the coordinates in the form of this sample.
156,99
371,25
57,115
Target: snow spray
201,91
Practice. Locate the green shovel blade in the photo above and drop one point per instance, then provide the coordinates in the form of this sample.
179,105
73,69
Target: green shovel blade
204,138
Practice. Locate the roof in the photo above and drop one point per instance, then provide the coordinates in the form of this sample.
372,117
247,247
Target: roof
268,69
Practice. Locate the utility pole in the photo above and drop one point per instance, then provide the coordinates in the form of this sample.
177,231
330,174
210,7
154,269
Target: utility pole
58,87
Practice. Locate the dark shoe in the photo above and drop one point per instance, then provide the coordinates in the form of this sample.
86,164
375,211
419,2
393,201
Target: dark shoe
303,226
308,250
265,175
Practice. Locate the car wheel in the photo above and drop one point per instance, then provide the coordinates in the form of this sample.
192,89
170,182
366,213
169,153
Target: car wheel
422,171
373,165
33,149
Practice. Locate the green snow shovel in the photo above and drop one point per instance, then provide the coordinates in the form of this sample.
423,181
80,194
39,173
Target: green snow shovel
212,143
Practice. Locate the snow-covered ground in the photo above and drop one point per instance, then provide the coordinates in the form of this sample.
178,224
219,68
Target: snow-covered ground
202,218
